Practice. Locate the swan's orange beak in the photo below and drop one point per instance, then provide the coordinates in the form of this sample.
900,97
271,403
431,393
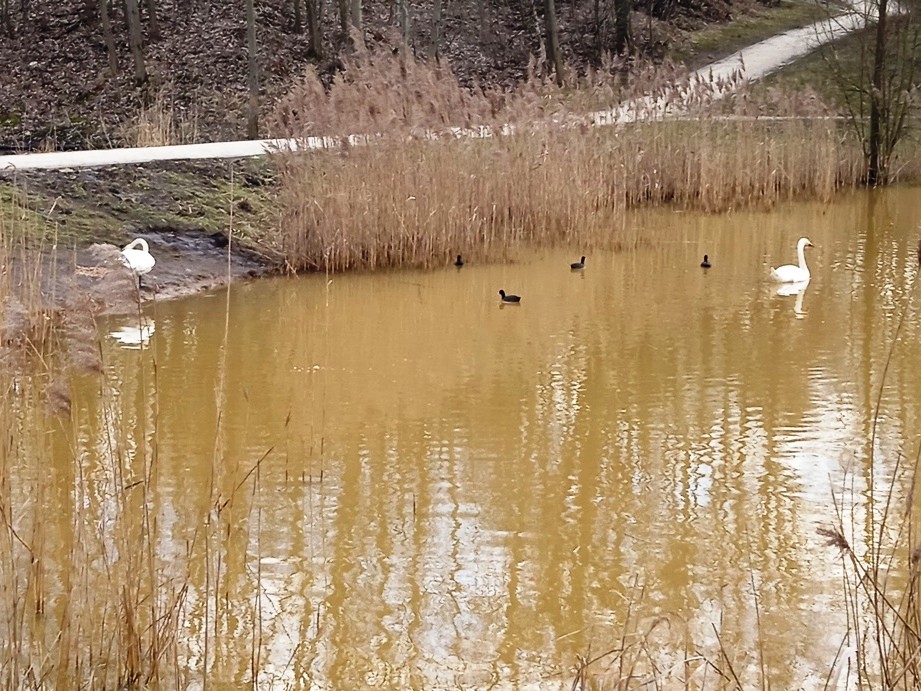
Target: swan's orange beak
809,244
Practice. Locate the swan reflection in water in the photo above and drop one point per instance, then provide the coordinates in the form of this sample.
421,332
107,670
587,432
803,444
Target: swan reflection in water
134,336
798,289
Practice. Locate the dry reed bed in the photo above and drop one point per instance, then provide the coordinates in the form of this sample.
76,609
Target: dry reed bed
410,200
417,203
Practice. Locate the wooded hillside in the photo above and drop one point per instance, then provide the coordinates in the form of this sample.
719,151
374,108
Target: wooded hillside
78,72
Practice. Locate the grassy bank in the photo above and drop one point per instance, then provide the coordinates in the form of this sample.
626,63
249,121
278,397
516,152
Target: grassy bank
843,65
113,204
716,41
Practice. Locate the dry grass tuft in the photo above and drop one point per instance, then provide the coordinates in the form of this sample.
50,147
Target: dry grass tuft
57,397
390,94
834,538
161,123
654,650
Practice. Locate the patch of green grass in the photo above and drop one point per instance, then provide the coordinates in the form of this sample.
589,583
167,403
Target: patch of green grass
717,41
828,69
28,215
9,118
206,202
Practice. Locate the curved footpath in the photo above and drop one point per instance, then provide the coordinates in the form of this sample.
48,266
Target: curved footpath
749,64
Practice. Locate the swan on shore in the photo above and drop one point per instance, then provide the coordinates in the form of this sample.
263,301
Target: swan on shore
140,261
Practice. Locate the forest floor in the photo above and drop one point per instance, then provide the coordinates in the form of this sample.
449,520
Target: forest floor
59,93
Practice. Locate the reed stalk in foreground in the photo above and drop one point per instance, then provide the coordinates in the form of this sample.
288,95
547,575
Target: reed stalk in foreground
881,585
656,652
95,593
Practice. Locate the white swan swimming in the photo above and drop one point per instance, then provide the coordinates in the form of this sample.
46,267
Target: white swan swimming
790,273
140,261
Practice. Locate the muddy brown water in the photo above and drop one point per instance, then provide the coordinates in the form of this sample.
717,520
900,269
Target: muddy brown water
456,493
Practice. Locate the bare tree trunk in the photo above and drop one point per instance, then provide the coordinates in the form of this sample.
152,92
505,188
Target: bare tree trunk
344,16
252,115
622,37
403,18
107,36
552,40
88,14
355,17
482,21
313,28
298,25
133,17
874,171
597,20
436,29
6,24
153,26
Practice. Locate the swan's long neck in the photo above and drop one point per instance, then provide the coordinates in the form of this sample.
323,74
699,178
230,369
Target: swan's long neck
143,243
801,254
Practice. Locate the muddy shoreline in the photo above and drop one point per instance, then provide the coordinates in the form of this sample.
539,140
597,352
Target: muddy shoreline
207,224
187,263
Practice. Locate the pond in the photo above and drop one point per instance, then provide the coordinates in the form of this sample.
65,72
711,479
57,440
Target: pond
393,480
